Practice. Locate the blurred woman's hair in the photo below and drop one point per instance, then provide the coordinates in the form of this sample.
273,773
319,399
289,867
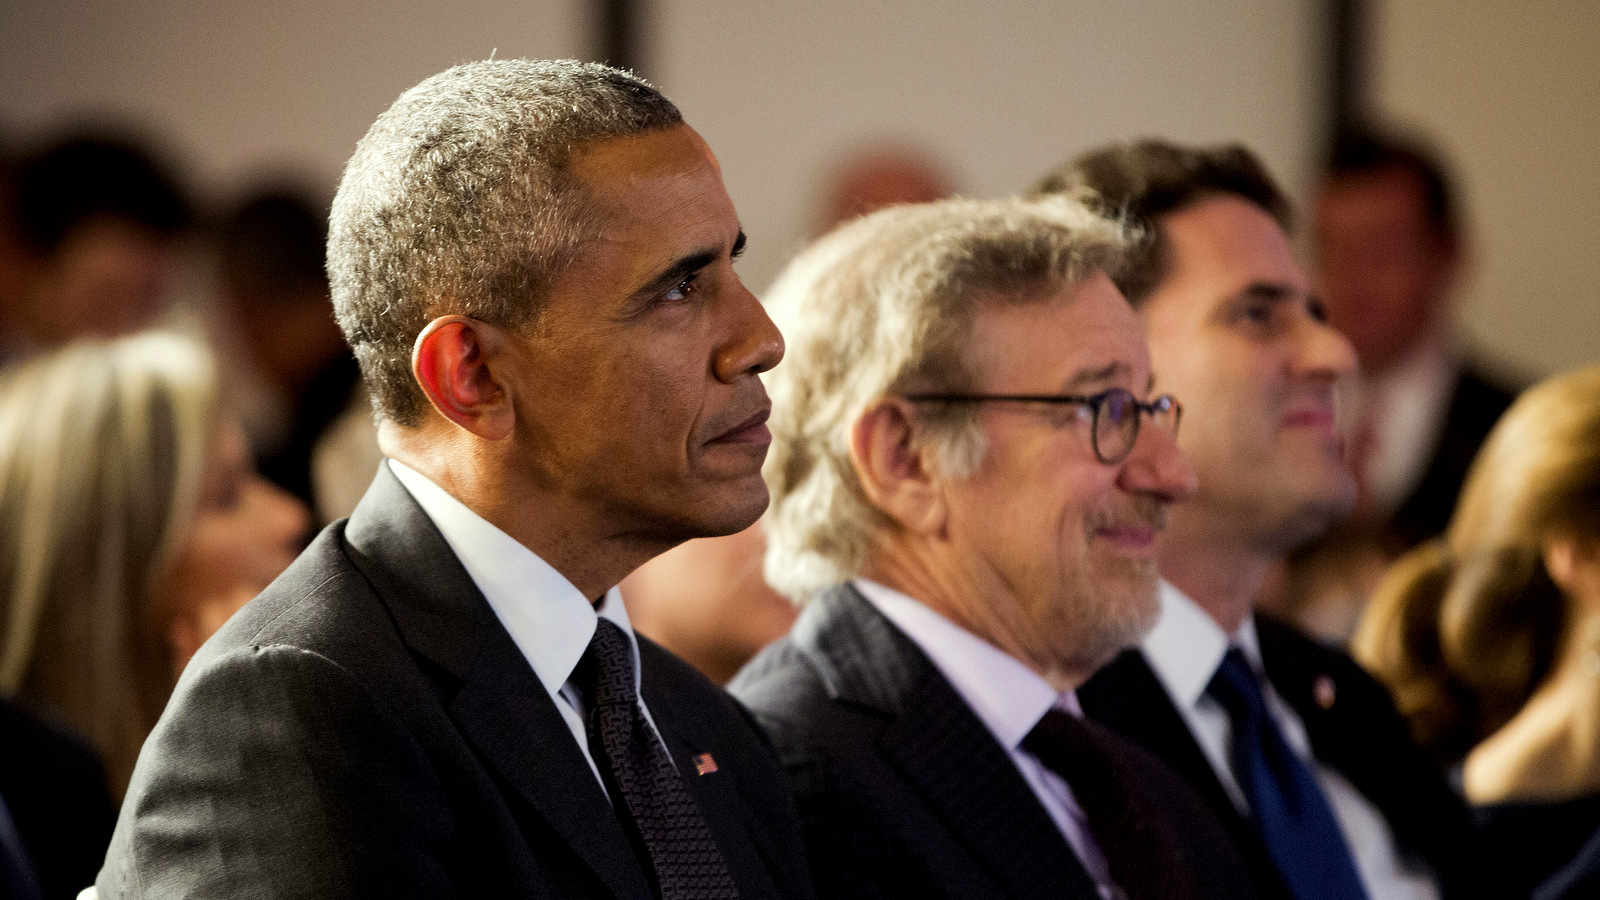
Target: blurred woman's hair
1464,628
103,449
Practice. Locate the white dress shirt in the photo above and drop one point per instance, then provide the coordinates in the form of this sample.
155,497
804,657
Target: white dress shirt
1406,409
548,618
1009,698
1185,648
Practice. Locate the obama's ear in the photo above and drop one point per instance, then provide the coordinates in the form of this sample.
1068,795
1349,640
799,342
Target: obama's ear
461,363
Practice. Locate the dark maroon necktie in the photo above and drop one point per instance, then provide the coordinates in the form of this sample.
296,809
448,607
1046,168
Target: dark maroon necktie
1125,819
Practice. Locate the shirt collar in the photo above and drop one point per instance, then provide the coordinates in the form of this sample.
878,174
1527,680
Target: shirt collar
1186,645
548,618
1008,697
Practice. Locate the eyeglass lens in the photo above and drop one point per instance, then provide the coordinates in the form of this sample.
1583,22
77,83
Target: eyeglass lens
1116,422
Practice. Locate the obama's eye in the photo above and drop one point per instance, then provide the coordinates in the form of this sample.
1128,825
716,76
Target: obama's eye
681,290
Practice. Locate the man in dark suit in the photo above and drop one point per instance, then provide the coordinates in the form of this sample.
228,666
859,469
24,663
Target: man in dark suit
1300,753
968,480
443,697
1391,255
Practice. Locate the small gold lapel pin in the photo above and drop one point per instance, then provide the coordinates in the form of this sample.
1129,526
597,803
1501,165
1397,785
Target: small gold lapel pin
1324,692
704,764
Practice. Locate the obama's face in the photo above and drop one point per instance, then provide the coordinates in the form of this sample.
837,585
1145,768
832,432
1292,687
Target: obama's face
647,408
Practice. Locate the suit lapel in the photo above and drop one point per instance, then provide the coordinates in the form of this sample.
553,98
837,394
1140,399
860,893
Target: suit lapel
1127,695
943,749
1340,738
498,704
1298,680
686,729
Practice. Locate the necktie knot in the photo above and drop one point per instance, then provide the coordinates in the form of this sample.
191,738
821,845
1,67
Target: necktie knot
1236,687
607,667
1062,742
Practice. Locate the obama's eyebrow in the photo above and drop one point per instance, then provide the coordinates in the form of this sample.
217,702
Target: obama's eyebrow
686,266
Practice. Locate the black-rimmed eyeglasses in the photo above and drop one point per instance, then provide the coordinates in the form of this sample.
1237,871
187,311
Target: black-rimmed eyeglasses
1114,415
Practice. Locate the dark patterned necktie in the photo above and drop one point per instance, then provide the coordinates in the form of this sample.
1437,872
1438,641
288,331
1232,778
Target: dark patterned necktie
1125,820
1286,803
661,816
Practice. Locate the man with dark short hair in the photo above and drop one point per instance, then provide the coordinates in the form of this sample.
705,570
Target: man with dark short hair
970,475
443,696
96,220
1391,253
1297,751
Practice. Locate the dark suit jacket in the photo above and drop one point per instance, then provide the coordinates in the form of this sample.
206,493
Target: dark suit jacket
1475,406
1539,842
903,792
55,787
1579,879
367,728
1359,734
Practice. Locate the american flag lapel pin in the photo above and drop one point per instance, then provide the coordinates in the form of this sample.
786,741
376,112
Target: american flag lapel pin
704,764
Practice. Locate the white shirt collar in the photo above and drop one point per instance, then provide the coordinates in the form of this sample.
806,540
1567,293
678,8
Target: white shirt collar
1008,697
1406,408
1186,645
548,618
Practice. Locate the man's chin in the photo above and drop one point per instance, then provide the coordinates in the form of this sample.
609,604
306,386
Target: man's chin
1123,612
738,511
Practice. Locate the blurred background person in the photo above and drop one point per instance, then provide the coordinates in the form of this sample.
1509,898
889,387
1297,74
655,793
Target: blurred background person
1489,637
10,245
293,375
1391,255
131,527
706,600
55,812
877,175
96,222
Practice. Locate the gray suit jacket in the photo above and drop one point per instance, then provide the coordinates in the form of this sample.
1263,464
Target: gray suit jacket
904,793
367,728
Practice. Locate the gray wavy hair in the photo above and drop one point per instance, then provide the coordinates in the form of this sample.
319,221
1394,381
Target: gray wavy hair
456,202
883,306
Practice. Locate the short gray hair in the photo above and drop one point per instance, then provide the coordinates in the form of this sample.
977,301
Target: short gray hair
457,202
884,306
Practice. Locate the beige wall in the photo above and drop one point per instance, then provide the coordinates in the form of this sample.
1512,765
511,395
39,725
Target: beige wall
1511,91
1004,90
245,87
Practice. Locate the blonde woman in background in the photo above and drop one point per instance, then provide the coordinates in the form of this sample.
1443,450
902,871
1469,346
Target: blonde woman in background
131,526
1490,636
